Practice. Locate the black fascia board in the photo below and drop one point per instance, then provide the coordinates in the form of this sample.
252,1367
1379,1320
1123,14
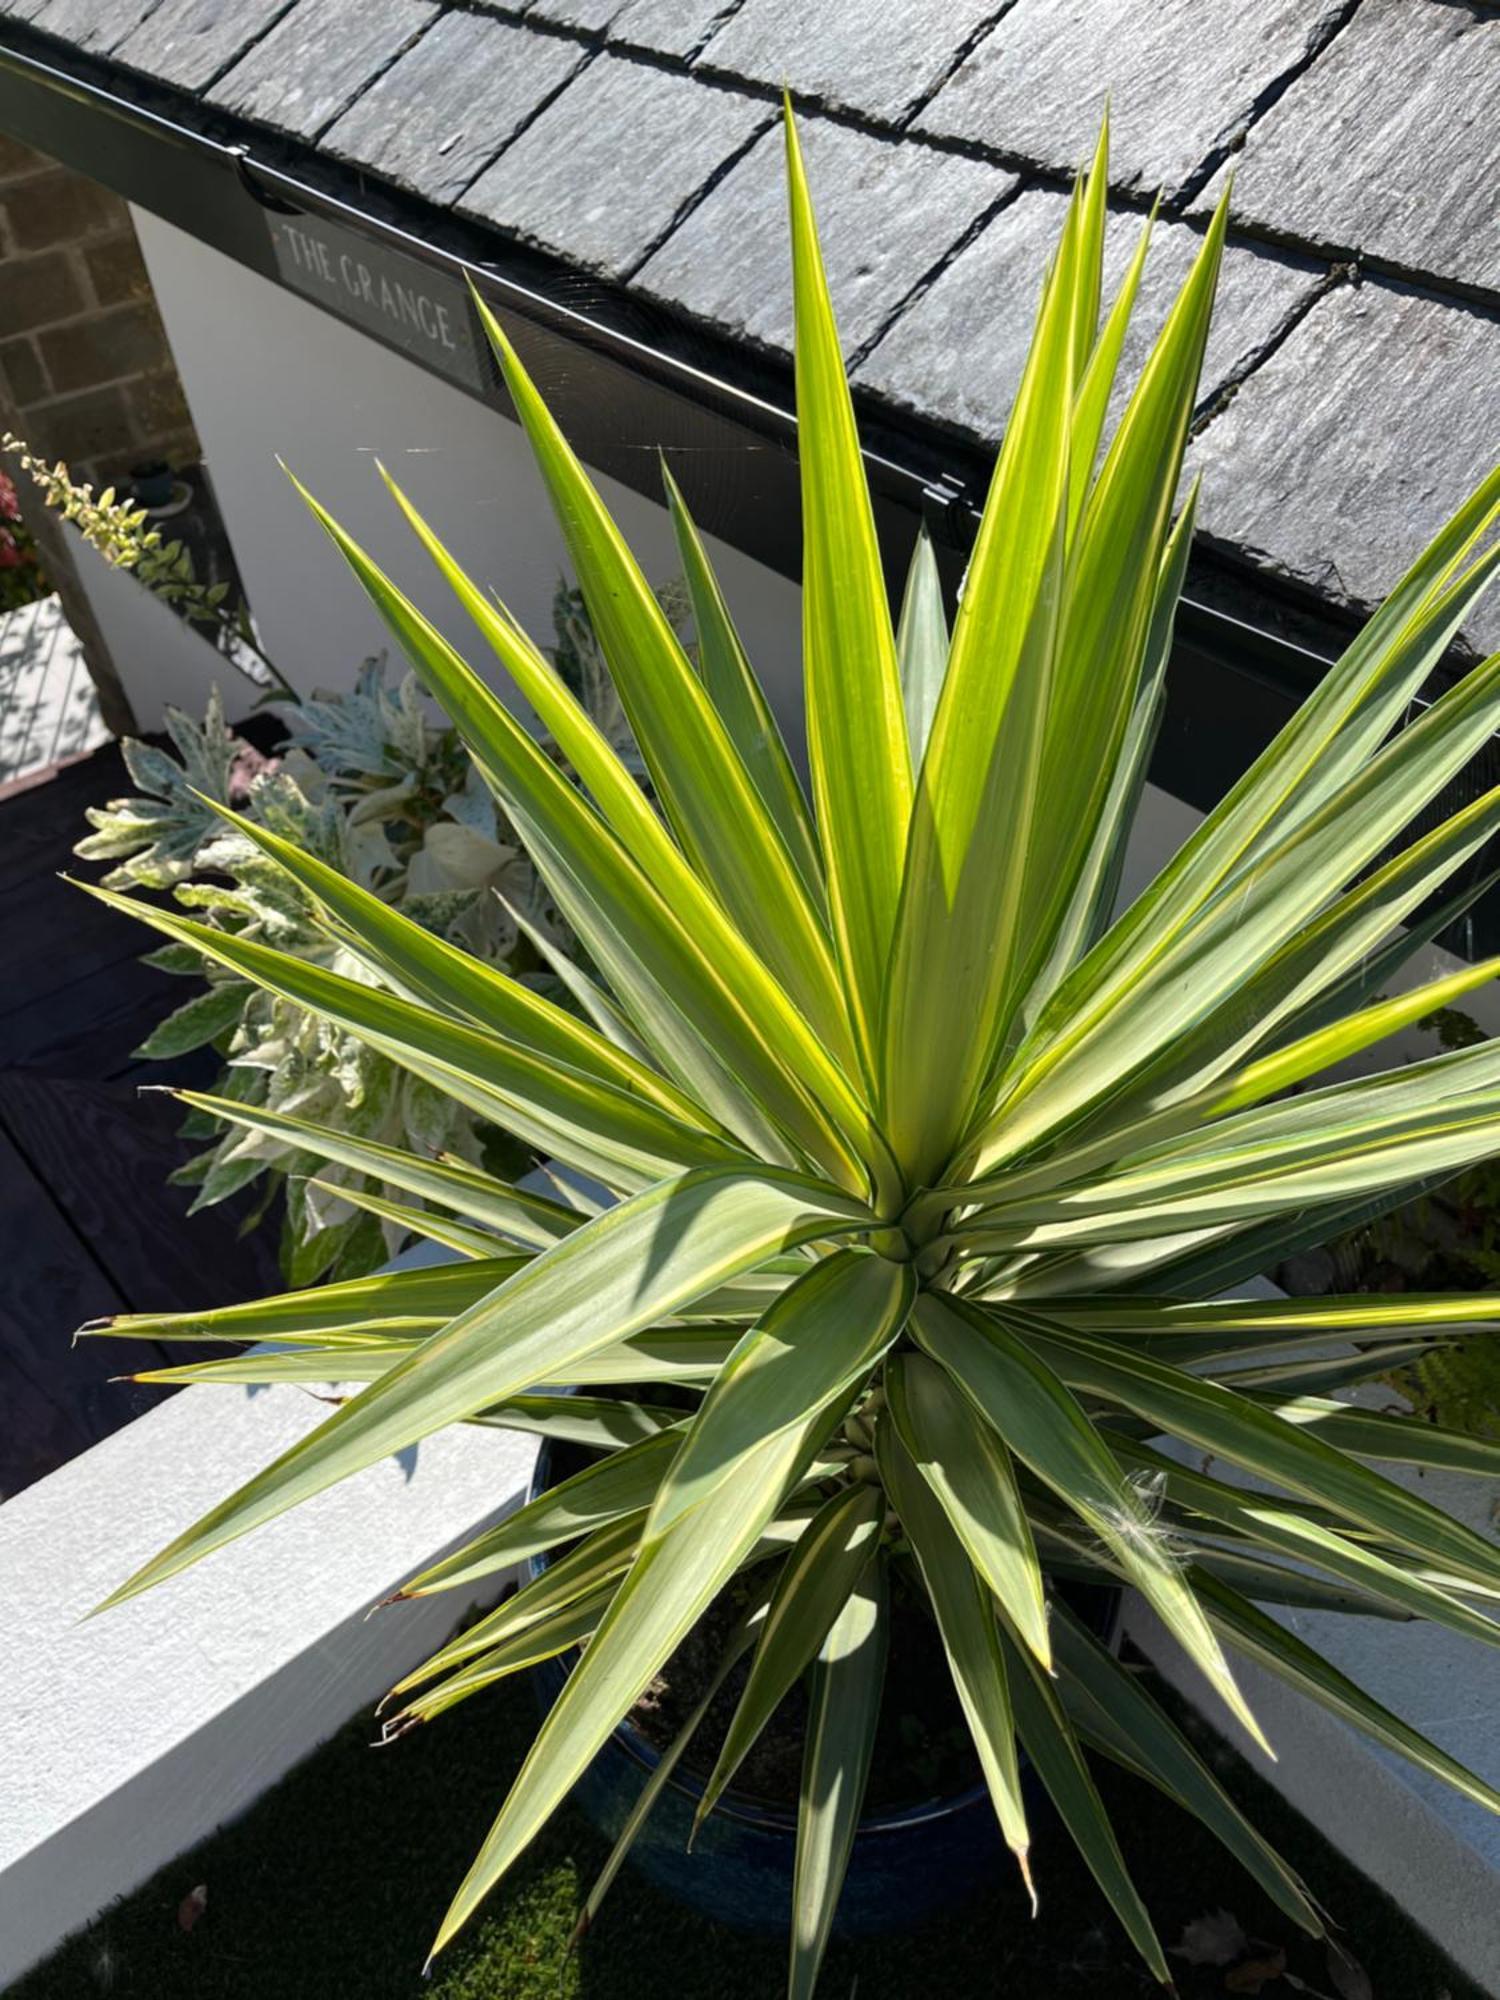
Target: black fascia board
632,383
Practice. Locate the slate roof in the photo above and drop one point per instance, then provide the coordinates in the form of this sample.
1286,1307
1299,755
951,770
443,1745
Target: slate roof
1352,393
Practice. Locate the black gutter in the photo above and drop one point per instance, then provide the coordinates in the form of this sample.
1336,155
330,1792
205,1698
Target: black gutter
645,387
628,380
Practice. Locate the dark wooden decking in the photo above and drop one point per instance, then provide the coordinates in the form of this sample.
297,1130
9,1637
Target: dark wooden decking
87,1223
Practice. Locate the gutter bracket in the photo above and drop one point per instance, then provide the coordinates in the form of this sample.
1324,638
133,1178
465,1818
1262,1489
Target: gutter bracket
948,512
245,174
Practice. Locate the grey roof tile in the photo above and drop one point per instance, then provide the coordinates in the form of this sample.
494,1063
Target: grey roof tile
317,60
876,56
590,15
601,175
887,213
442,112
956,354
1388,144
1346,451
1358,419
95,25
190,42
675,27
1182,79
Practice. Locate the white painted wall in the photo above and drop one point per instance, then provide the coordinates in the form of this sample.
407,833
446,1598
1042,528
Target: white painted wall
266,372
161,660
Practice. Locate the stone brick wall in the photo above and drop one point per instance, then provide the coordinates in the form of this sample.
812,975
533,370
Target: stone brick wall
85,369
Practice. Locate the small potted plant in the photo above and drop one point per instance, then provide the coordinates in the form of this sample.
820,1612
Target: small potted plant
153,485
930,1179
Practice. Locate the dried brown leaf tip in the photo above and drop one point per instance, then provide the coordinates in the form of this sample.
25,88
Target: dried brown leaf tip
1256,1972
1250,1965
192,1906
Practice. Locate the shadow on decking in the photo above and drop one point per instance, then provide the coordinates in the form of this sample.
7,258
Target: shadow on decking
87,1225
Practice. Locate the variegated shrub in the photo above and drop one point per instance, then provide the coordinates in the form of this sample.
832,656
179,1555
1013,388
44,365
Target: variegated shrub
935,1182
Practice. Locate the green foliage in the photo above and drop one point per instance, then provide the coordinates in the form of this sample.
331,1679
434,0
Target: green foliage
22,580
928,1177
119,534
1453,1027
584,673
157,835
1440,1242
117,531
1456,1386
371,786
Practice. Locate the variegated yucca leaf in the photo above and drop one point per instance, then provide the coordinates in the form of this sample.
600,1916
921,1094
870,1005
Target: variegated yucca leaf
927,1171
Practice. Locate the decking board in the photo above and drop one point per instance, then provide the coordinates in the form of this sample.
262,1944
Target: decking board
88,1225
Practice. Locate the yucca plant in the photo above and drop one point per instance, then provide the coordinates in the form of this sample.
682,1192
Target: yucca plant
925,1167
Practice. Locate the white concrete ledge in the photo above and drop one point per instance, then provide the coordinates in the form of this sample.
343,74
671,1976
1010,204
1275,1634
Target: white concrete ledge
130,1737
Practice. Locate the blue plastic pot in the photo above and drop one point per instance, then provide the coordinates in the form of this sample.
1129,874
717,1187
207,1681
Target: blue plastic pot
909,1863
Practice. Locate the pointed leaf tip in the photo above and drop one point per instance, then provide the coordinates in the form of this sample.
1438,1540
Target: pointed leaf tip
1023,1862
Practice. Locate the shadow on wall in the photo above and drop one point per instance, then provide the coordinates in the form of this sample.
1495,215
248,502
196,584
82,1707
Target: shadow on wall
49,710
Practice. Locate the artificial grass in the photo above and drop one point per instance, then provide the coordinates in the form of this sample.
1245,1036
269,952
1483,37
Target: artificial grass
331,1887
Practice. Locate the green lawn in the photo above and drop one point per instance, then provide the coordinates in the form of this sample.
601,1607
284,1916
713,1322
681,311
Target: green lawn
330,1889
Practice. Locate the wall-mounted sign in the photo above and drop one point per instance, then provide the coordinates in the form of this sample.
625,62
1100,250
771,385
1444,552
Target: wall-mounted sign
401,301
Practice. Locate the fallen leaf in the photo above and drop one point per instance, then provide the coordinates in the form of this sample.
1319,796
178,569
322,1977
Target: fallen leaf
1214,1939
1350,1980
1255,1973
192,1906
